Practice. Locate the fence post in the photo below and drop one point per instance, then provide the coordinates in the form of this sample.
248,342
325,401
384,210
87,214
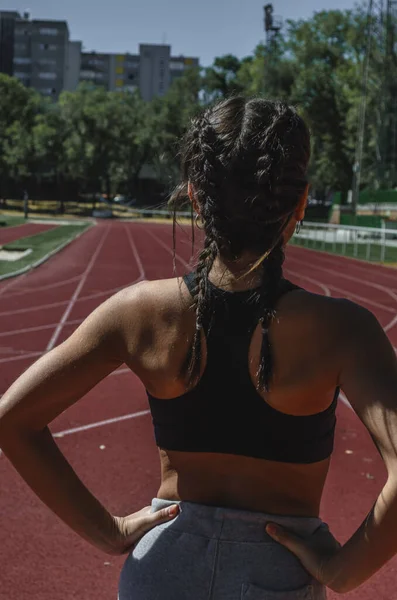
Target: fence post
383,242
368,253
345,233
355,242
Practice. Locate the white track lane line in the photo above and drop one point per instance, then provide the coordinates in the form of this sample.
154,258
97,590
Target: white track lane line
61,434
22,357
11,283
77,291
142,277
19,311
391,324
358,263
345,401
326,290
376,286
142,274
38,328
49,286
368,283
121,372
161,243
348,294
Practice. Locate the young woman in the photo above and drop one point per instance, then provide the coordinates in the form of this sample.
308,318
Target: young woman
243,371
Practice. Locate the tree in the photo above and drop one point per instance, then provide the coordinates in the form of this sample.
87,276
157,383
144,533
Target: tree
221,79
18,107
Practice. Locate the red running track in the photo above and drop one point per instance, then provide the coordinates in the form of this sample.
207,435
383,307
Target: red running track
10,234
117,459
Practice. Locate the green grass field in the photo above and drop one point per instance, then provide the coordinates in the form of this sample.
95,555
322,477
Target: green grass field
41,245
11,221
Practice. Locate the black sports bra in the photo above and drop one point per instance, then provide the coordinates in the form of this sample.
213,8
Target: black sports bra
224,413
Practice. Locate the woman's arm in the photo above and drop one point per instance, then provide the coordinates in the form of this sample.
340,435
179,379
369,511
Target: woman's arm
369,379
45,390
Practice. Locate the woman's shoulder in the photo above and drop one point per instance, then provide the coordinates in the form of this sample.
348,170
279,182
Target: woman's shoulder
145,300
331,312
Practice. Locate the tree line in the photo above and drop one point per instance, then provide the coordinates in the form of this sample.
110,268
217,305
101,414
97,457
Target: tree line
93,140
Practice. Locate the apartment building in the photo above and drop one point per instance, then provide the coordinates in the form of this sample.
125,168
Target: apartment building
151,71
40,54
7,31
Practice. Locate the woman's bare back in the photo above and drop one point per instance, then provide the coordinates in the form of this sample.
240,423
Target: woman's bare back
306,338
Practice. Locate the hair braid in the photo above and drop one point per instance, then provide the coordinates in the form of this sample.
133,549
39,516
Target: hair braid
269,293
206,260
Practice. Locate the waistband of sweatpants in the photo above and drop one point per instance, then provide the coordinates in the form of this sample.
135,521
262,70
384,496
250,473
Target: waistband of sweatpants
233,524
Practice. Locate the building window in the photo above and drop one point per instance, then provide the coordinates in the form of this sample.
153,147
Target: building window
20,47
48,75
177,66
19,32
47,61
20,75
131,77
95,62
132,64
50,47
22,61
48,31
88,75
48,91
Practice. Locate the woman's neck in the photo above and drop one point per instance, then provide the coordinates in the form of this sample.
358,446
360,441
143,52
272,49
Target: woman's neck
236,275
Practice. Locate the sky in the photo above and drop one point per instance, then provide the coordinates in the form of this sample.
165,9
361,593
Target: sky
198,28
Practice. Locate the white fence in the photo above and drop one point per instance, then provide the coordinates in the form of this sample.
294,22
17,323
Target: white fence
369,243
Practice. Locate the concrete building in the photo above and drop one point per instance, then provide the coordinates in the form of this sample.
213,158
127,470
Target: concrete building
7,31
41,54
73,66
179,64
151,71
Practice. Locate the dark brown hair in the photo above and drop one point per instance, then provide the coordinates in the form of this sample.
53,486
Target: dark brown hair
247,163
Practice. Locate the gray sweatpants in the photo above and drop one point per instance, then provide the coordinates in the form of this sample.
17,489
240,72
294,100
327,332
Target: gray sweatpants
209,553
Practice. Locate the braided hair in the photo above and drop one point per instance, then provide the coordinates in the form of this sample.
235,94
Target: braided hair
247,162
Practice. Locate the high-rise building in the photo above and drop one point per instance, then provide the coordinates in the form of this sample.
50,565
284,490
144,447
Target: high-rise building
151,71
41,54
73,66
7,31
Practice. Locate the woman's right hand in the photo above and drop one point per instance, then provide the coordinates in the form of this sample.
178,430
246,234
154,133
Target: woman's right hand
317,553
130,529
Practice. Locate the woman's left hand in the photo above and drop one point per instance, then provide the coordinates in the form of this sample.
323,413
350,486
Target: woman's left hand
129,530
317,553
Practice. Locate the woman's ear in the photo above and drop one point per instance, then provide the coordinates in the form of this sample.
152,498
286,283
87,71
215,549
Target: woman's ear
192,196
301,208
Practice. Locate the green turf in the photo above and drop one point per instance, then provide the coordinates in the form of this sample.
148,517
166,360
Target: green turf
349,249
11,221
41,244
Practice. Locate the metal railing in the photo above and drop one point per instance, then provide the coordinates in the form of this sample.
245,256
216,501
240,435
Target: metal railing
367,243
149,212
